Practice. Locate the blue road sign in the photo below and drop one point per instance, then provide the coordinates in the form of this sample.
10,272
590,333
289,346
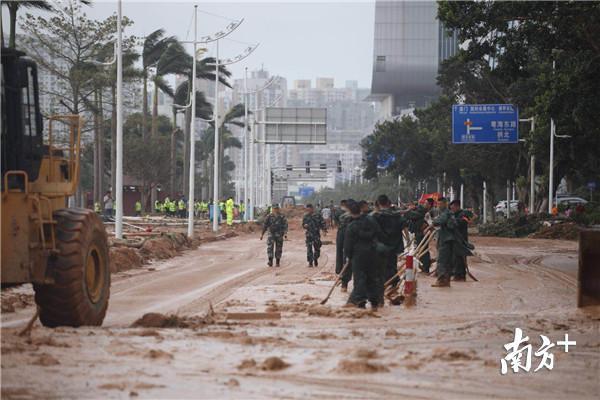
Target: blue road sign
485,123
306,191
385,161
591,185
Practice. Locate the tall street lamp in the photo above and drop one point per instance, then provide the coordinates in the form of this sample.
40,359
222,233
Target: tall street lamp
249,50
119,166
250,163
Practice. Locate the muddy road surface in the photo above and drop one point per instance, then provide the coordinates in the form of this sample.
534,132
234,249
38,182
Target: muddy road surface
449,345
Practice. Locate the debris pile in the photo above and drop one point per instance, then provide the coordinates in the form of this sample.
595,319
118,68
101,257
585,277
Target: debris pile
515,227
565,231
12,301
158,320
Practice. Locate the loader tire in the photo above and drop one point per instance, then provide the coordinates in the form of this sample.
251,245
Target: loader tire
80,270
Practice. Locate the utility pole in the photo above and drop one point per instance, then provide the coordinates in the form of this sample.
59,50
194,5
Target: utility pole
190,207
532,185
484,203
551,180
216,154
246,143
119,166
507,199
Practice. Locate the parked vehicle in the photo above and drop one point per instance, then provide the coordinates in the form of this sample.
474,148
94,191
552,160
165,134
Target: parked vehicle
501,207
571,201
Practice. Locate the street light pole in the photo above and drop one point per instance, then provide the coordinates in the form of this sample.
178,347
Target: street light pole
215,224
119,166
246,143
551,180
190,231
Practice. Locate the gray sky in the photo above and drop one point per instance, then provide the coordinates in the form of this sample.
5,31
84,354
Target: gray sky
297,39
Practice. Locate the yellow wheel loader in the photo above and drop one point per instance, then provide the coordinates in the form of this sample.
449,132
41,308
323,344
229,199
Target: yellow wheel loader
62,251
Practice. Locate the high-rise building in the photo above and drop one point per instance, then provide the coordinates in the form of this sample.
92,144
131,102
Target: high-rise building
410,42
324,83
302,84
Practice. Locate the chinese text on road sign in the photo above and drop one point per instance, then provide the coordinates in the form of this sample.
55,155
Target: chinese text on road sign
485,123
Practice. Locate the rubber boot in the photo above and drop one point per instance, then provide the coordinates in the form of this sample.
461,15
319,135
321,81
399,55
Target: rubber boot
270,262
442,282
277,262
316,263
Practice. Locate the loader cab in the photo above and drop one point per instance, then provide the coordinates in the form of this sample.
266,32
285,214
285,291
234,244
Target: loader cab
22,141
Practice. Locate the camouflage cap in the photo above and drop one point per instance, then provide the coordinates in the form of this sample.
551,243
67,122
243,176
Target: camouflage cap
275,205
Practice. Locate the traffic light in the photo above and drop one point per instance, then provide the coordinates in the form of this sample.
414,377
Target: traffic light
339,166
272,178
288,167
322,166
307,164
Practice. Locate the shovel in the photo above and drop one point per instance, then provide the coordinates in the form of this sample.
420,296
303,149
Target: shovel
337,281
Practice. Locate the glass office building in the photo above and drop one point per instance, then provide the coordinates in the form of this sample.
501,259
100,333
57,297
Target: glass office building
409,45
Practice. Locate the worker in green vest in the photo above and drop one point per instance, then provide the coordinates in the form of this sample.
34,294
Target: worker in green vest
161,207
97,208
138,208
204,209
242,210
222,209
181,206
157,206
172,208
229,211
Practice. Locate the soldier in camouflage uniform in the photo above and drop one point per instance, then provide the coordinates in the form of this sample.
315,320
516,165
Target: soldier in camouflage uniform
277,226
416,226
445,243
462,217
342,218
313,223
360,241
392,224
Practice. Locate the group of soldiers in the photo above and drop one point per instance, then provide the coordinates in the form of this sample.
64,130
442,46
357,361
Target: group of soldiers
276,224
371,237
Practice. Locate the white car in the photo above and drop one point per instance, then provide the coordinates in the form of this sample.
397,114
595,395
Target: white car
570,201
501,207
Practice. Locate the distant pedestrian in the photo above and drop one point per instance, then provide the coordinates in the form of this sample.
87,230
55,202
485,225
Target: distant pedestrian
277,226
313,223
108,204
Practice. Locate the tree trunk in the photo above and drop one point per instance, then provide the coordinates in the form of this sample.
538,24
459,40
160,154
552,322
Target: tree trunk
186,150
205,179
173,156
211,166
113,141
100,148
154,112
12,9
145,105
96,170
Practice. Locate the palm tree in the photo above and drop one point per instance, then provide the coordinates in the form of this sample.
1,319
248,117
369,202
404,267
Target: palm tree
226,137
172,61
203,110
204,70
13,8
155,44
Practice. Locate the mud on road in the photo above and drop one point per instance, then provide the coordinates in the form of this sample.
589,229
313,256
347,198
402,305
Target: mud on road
448,346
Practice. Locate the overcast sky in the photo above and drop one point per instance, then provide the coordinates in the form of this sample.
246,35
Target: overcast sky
298,40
